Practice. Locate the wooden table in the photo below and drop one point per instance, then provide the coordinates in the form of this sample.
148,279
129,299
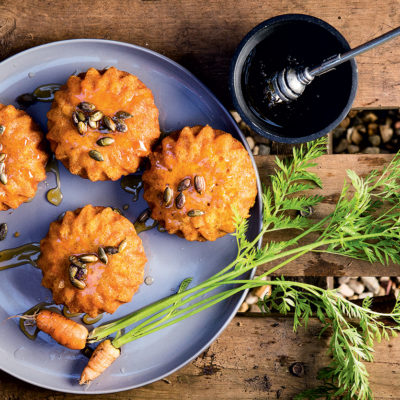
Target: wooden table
251,359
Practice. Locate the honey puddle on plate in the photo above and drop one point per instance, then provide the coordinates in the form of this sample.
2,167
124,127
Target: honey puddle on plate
132,184
26,254
54,195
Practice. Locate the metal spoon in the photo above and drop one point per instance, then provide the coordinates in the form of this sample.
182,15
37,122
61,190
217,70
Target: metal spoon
288,84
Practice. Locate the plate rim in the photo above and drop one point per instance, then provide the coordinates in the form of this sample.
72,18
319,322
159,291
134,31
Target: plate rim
258,201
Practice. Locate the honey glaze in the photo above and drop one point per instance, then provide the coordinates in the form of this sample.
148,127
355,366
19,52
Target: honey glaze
145,225
43,93
22,255
132,184
54,195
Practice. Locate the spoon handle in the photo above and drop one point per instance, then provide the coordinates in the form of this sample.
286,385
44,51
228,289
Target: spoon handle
341,58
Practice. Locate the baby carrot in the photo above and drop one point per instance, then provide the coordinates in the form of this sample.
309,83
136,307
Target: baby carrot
63,330
103,356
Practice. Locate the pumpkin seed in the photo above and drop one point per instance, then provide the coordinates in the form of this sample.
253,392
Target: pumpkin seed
117,210
2,129
78,284
195,213
93,124
75,118
2,167
75,261
167,197
123,115
1,147
184,184
120,125
88,258
73,270
96,115
3,178
199,184
3,231
122,246
81,274
96,155
102,255
105,141
2,156
82,127
86,106
143,216
180,200
111,250
80,115
109,123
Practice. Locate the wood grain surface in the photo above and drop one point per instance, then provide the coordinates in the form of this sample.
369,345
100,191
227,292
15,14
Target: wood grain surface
332,170
250,360
203,35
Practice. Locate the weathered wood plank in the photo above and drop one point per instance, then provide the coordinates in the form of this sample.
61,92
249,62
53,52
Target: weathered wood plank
332,170
250,360
203,37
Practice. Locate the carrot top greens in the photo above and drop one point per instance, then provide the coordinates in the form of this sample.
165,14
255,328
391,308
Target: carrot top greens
357,228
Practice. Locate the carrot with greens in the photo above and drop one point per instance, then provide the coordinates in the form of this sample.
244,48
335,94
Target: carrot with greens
66,332
103,356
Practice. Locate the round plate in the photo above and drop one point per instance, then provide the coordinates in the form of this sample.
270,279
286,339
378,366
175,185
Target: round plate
182,100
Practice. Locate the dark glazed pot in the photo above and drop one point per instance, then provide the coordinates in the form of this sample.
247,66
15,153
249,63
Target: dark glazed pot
292,39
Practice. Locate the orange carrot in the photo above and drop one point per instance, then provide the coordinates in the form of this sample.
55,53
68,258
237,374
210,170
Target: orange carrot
63,330
104,355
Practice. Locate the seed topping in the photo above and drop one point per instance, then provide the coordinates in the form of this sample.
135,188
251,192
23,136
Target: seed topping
82,127
111,250
195,213
109,123
180,200
167,196
105,141
96,115
96,155
123,115
122,246
143,216
102,255
184,184
199,184
3,178
86,106
88,258
120,125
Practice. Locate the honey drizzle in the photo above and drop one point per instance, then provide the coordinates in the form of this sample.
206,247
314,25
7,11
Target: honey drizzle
145,226
54,195
21,255
132,184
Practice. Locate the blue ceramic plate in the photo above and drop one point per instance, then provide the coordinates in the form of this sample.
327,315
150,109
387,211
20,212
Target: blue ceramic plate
182,100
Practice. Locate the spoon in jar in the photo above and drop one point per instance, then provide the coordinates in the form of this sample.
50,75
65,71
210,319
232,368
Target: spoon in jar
288,84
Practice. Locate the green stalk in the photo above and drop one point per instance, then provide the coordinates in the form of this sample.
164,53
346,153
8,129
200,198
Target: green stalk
149,326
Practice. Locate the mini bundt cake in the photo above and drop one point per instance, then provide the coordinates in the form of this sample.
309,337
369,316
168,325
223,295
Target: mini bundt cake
92,260
22,157
102,123
197,178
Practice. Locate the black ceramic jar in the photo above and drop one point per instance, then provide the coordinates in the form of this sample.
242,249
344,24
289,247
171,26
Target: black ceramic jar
292,40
